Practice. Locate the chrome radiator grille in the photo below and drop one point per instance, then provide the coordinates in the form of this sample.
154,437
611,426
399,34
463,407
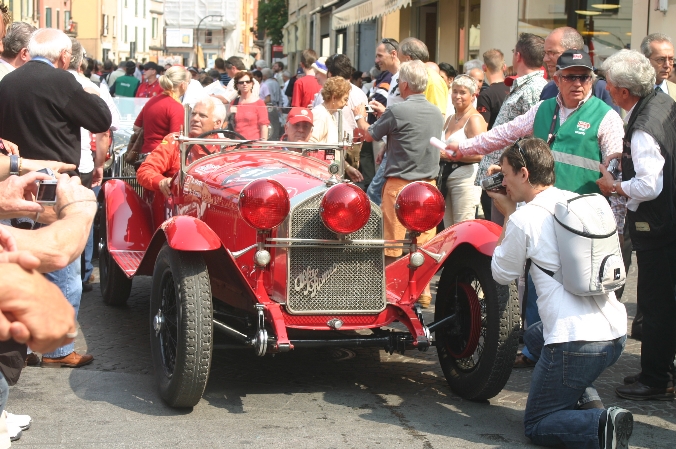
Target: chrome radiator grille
334,280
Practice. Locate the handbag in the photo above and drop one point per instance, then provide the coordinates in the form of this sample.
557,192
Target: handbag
134,147
231,117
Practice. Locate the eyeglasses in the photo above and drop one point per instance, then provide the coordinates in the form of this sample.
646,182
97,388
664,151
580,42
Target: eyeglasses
572,78
244,82
553,54
661,61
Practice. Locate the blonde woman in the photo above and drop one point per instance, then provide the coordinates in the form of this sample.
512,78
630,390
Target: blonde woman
335,93
458,187
163,114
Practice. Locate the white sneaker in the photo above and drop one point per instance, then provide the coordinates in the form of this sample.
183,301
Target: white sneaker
23,421
14,431
619,426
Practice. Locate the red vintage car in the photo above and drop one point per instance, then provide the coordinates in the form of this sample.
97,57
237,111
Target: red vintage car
267,243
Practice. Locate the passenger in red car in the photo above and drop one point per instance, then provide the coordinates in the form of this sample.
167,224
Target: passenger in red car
156,172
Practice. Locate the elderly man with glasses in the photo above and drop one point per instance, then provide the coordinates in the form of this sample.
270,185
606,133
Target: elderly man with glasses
659,50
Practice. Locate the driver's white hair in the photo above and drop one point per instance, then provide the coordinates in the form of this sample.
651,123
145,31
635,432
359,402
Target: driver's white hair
48,43
218,112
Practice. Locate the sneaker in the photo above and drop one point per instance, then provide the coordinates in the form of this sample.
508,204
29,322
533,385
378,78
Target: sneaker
22,421
619,425
14,431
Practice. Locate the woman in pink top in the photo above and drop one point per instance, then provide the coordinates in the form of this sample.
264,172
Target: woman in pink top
251,114
163,114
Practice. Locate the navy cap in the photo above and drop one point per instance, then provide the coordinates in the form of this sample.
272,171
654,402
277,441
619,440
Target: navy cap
574,58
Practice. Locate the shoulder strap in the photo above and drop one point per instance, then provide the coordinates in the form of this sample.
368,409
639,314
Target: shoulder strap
551,136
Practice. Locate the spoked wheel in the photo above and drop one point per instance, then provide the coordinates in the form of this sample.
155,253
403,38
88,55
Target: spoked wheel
477,351
181,336
115,285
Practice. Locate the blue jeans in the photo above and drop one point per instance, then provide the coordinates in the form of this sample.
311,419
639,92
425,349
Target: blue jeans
375,190
4,392
70,283
87,266
563,381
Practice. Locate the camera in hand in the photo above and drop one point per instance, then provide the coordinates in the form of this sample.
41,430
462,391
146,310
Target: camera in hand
46,189
493,182
614,168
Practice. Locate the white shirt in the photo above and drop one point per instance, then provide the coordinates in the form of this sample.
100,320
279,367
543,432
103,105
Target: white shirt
648,161
393,94
530,234
355,98
325,127
86,156
263,92
663,86
193,93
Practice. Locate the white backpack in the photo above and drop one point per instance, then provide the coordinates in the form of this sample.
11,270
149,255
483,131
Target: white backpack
591,257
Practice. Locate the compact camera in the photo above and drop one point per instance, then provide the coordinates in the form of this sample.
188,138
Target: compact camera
493,182
368,108
46,188
614,168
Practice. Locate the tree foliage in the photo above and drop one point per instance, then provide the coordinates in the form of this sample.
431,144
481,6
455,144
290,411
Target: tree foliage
272,16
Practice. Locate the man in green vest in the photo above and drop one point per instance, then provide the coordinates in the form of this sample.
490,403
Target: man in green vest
581,130
126,86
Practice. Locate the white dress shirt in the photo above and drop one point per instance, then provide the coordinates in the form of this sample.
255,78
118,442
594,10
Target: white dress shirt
646,185
663,86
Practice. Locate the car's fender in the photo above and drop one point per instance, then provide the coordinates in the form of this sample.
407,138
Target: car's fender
129,218
481,234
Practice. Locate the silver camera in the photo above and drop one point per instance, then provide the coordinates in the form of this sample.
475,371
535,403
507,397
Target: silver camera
493,182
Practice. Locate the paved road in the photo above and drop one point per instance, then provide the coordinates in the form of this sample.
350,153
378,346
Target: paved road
336,398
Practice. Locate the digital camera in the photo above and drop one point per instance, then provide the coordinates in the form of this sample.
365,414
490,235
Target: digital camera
493,182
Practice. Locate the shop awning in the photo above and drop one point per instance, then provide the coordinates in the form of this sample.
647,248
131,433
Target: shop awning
356,11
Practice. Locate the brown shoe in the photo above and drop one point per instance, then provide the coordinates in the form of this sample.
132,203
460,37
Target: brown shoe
72,360
32,359
425,301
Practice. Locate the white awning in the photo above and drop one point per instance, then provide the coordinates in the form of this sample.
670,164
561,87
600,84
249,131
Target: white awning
356,11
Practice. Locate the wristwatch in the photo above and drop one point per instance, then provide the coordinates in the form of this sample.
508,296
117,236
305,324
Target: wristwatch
14,165
358,117
614,189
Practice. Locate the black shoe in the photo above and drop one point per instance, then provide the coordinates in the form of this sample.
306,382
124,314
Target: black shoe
86,287
640,392
631,379
619,425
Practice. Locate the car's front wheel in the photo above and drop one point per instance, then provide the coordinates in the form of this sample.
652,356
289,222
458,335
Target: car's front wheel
477,351
181,327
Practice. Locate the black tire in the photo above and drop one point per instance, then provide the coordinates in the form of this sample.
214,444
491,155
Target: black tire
483,373
115,285
182,347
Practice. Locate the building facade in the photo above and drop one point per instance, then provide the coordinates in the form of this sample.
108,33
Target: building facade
456,31
132,28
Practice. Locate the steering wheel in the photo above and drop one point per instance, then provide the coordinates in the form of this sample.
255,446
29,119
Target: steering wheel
226,132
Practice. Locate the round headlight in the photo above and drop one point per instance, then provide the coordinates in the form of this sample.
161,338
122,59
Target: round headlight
345,208
419,206
264,203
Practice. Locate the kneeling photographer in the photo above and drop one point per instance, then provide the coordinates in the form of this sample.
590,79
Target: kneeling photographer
579,336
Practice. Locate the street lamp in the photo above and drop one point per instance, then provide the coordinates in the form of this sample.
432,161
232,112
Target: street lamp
220,16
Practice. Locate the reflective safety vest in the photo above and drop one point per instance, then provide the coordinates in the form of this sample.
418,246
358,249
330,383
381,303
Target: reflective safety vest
576,147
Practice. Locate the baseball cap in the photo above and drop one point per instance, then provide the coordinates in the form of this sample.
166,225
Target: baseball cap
193,70
320,65
151,66
574,58
299,115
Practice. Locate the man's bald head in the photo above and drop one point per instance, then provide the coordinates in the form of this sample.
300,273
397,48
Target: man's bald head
413,49
51,44
432,66
478,76
558,41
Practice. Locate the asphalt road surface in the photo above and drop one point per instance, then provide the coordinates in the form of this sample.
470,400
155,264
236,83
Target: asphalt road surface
328,398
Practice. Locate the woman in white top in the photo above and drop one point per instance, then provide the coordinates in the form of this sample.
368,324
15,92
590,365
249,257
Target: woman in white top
335,93
462,196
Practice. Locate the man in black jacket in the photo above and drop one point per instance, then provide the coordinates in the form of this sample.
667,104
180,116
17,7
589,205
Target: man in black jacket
649,184
43,108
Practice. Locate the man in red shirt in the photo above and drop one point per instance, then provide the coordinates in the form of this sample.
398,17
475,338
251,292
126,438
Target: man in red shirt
305,88
150,85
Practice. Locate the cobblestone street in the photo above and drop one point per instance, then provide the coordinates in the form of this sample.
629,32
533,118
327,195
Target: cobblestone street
310,398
